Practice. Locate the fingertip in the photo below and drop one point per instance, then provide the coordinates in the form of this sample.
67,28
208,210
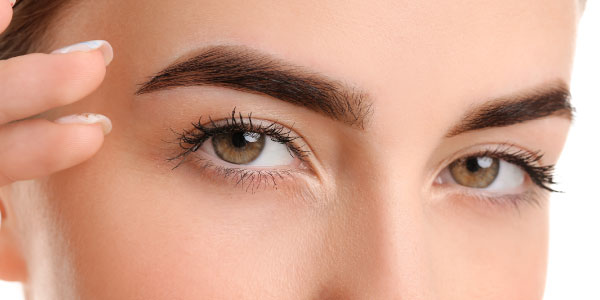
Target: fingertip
39,147
87,118
100,46
107,52
78,75
6,14
82,141
72,143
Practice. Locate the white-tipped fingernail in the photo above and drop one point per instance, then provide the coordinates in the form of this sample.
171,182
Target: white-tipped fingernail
87,118
12,2
104,46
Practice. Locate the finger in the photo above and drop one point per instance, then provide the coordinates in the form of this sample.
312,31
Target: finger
5,14
33,83
35,148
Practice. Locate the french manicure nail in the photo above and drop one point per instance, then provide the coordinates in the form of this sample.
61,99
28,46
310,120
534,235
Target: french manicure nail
87,118
103,45
12,2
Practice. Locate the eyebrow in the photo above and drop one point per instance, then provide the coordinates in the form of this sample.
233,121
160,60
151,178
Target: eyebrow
248,70
553,99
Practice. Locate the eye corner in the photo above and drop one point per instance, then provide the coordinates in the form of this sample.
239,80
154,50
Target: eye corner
520,175
283,157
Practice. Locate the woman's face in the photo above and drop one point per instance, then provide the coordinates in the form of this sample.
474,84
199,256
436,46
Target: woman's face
344,184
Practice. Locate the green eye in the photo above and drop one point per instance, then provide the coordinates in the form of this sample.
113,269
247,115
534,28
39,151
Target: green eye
475,172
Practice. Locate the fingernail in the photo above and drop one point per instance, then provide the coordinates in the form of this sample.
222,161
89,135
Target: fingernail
87,118
104,46
12,2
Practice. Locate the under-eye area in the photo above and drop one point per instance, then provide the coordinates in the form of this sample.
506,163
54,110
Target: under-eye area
501,174
246,151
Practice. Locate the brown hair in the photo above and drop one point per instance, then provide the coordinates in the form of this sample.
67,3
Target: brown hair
29,26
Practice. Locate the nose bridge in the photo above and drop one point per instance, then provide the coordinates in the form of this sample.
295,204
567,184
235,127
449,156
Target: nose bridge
388,238
397,240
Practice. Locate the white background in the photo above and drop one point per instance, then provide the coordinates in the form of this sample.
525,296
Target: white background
574,263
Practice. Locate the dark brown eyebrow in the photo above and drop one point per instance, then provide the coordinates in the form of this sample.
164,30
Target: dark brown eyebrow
245,69
547,100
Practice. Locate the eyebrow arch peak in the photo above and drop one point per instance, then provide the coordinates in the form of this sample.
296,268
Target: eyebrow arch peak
551,99
245,69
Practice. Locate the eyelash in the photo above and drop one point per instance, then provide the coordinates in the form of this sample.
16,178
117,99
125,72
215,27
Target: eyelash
191,140
541,176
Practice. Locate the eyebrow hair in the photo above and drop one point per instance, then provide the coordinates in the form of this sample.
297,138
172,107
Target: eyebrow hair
552,99
245,69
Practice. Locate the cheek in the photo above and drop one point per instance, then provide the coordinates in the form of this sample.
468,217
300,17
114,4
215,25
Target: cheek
150,243
499,255
148,232
177,235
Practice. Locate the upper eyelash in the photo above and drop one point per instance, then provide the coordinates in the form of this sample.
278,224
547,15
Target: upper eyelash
191,140
542,176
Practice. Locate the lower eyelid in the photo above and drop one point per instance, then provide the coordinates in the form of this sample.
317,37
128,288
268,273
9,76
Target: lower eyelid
198,151
527,193
452,186
247,179
490,204
528,161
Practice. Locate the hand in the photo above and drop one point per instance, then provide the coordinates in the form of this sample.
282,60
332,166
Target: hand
33,83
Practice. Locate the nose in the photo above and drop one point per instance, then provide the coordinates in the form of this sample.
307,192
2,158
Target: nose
383,252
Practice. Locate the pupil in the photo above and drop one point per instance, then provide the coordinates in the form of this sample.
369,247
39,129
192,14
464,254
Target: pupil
472,164
238,140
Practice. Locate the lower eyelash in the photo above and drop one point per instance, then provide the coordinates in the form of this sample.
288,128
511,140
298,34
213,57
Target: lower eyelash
499,203
531,197
250,180
541,176
191,140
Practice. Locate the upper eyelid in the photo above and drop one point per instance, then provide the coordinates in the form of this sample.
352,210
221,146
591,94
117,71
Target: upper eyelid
474,150
250,119
539,174
257,125
486,146
244,172
235,121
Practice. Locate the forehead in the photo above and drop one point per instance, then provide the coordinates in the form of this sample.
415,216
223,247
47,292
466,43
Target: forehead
422,50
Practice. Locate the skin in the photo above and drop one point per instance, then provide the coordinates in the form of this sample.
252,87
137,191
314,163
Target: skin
365,222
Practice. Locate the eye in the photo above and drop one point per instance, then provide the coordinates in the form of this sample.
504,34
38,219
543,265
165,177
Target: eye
484,172
246,152
233,145
249,148
499,174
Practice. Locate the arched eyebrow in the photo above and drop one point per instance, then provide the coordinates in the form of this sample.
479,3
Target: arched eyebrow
552,99
245,69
